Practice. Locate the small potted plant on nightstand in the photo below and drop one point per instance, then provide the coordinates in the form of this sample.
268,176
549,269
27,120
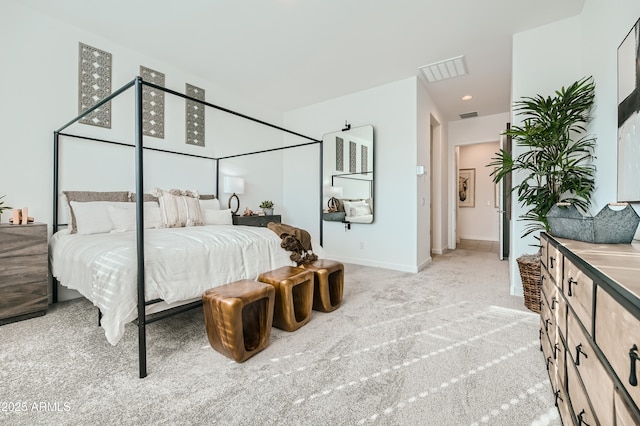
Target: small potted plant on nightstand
267,207
3,207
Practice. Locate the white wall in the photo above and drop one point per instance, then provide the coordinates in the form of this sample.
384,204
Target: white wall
38,82
479,222
392,110
549,57
432,186
469,131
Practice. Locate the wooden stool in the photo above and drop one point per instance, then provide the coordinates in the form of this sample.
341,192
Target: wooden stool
238,318
294,296
328,283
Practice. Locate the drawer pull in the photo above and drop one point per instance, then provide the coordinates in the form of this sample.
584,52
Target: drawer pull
555,351
551,259
557,394
541,333
546,324
541,304
633,357
571,281
578,352
580,420
553,302
549,362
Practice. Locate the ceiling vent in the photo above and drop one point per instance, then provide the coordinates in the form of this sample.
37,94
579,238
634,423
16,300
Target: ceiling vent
450,68
469,114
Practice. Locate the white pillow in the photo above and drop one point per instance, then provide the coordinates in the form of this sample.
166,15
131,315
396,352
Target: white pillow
217,217
210,204
179,208
92,217
349,207
359,211
124,218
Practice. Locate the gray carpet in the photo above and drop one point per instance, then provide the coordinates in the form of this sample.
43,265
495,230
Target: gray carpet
446,346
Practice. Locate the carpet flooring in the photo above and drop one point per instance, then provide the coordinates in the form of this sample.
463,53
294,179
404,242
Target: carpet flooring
446,346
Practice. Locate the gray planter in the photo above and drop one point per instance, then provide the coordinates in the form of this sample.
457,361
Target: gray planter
268,212
607,227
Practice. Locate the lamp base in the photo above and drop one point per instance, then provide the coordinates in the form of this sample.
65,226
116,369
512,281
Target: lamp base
234,212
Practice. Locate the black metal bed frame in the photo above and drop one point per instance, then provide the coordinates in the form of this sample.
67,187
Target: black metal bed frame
137,83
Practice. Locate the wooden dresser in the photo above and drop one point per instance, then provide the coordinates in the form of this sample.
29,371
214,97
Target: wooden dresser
23,271
590,330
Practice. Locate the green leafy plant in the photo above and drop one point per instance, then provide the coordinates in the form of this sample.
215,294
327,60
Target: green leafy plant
2,206
266,204
557,161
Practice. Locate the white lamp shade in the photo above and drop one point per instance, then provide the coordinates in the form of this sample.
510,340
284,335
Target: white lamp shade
233,185
335,191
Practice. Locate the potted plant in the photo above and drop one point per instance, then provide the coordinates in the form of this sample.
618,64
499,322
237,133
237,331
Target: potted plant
3,207
267,207
556,165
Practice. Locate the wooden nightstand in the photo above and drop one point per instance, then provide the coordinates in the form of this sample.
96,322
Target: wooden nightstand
23,271
256,220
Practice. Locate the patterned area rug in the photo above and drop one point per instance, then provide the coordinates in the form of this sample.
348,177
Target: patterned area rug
446,346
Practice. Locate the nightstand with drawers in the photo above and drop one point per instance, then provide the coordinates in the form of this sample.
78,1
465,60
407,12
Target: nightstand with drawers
261,221
23,271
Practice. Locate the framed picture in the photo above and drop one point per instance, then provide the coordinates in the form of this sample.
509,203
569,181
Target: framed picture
467,188
629,116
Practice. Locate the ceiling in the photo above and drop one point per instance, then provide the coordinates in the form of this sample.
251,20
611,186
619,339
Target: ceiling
293,53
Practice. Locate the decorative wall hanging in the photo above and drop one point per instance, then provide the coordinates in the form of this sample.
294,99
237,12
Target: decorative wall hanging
467,188
339,154
195,116
94,84
364,154
152,104
352,157
629,116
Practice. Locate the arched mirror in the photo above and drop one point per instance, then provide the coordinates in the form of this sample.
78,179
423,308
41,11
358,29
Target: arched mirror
347,175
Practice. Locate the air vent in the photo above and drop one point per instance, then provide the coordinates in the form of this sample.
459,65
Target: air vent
449,68
469,114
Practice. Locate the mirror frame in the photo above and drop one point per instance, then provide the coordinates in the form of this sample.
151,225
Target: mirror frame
352,149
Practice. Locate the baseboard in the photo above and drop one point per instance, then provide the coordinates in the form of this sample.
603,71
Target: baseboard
385,265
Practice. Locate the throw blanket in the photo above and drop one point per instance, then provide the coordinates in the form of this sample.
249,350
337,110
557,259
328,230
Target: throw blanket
295,240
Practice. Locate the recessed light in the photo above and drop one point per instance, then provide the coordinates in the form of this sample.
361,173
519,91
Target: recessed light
467,97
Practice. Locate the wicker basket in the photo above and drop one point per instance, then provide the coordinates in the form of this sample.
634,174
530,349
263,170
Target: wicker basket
529,266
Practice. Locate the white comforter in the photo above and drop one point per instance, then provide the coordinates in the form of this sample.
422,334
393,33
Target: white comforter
180,264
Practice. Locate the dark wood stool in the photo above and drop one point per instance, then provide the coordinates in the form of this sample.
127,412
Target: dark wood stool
294,296
238,318
328,284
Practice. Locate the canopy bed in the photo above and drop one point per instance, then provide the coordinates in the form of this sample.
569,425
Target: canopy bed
147,271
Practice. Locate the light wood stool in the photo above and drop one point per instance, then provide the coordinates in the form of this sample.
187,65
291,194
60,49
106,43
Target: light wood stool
328,278
238,318
294,296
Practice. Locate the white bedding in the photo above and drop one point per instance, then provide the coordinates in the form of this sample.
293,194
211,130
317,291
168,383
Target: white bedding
180,264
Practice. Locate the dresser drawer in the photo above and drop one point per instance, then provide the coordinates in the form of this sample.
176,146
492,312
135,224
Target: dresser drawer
554,263
562,401
578,289
596,381
547,284
548,322
544,253
617,333
625,415
579,400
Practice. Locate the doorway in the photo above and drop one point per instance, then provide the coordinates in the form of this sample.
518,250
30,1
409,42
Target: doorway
477,198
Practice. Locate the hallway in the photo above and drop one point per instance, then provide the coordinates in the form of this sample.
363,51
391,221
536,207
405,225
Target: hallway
478,245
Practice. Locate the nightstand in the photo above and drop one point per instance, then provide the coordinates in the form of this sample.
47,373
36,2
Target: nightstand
23,271
256,220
